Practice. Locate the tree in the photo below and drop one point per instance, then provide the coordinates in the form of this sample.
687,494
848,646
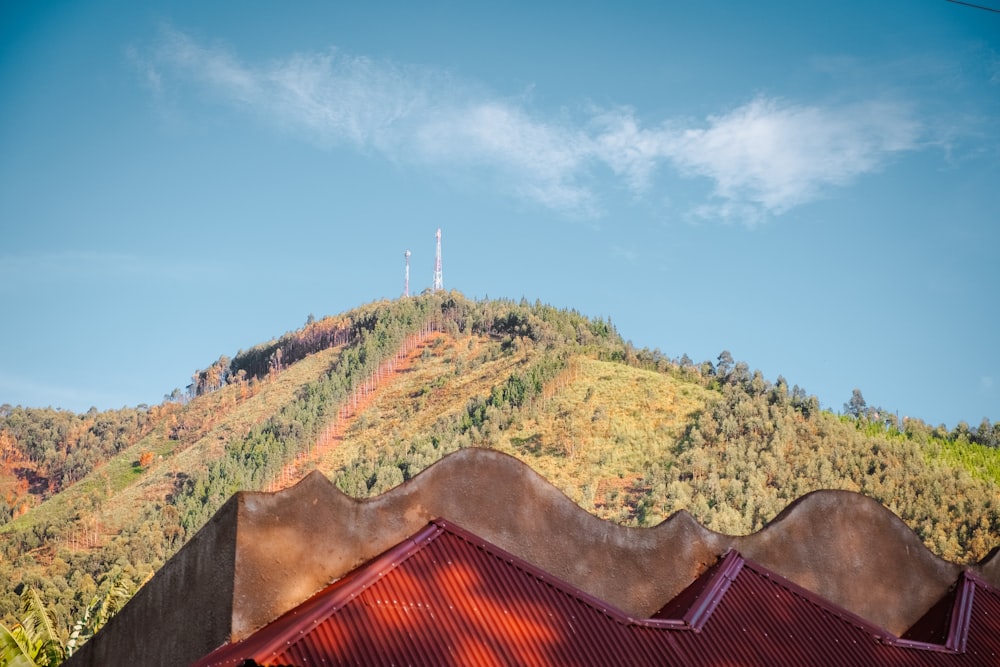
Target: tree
962,432
725,365
101,608
740,374
856,407
987,434
33,641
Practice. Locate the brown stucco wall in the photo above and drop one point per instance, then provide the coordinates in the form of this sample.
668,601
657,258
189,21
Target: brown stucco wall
841,545
265,553
182,613
854,552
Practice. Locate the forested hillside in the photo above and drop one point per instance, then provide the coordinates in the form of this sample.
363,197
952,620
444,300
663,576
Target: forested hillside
91,505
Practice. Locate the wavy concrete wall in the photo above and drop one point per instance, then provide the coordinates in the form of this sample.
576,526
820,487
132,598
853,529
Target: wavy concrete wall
287,545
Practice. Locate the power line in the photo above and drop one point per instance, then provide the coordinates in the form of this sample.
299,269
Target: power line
969,4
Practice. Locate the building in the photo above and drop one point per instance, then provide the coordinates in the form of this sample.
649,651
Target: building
515,573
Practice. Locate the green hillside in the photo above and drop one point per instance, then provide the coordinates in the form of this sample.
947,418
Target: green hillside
373,396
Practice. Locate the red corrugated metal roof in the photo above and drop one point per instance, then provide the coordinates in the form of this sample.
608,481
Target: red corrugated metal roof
446,597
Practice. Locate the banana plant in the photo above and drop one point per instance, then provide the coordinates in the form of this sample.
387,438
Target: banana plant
32,641
101,608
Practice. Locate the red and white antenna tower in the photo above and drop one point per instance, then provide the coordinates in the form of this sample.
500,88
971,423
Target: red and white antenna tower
438,277
406,285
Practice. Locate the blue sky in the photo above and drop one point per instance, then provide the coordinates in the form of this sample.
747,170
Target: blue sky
811,186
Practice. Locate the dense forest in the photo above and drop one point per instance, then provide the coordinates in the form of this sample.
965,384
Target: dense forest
92,504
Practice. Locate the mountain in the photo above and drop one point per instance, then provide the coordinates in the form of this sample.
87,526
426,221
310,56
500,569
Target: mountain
94,503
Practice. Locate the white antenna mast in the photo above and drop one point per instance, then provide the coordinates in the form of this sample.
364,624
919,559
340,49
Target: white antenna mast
406,285
438,277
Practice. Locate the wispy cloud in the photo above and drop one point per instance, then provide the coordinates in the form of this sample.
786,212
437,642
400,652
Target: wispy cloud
542,161
148,73
627,254
762,158
767,156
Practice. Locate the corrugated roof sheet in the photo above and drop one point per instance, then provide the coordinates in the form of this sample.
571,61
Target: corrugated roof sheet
446,597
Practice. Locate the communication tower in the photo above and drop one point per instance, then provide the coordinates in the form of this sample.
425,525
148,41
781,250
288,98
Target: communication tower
406,285
438,277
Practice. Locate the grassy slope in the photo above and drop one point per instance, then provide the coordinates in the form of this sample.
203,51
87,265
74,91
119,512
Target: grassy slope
113,494
982,462
596,433
601,432
408,407
599,427
604,430
605,433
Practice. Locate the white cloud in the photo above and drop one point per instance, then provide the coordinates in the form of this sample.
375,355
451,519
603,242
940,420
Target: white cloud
628,149
986,383
762,159
767,157
542,160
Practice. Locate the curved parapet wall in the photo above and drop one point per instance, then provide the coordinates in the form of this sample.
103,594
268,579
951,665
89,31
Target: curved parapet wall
852,551
841,545
264,553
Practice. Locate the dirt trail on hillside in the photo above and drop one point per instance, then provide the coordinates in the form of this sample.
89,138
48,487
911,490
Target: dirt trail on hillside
360,400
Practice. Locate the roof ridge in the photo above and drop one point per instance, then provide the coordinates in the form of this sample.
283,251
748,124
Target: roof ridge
959,621
356,582
823,603
694,618
690,612
327,601
730,566
603,606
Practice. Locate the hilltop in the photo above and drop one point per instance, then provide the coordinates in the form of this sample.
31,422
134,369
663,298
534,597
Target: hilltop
96,502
